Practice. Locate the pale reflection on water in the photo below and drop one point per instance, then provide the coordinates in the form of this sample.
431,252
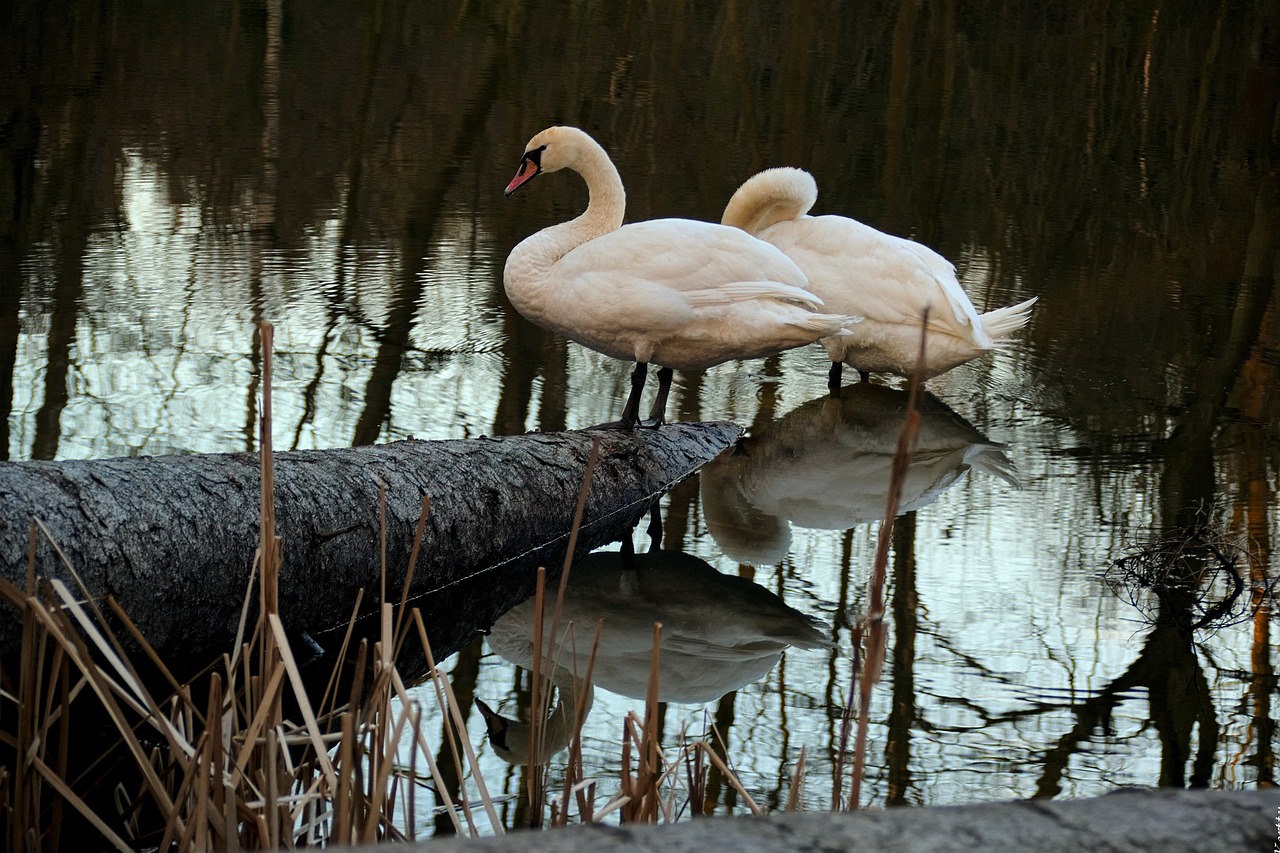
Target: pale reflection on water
146,234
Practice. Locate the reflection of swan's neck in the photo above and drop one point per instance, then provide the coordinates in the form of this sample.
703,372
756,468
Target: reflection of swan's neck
511,738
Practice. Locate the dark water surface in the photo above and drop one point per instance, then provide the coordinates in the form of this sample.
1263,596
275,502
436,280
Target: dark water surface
173,174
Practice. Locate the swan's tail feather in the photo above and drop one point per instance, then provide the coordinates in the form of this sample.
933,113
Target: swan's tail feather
991,459
1002,322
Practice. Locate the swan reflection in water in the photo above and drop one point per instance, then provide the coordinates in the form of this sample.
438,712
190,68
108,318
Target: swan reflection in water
826,465
719,632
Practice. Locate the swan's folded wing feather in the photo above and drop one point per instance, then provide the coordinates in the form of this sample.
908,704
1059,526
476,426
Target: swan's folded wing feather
944,275
741,291
682,255
860,270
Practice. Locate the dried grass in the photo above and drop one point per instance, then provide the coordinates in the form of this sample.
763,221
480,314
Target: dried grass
233,771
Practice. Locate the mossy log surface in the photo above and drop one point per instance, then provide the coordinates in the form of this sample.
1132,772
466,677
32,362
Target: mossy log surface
173,538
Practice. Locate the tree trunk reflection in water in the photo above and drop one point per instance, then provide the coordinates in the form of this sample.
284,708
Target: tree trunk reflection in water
903,715
419,227
1255,494
265,203
466,671
721,740
10,325
85,168
841,624
1179,696
18,167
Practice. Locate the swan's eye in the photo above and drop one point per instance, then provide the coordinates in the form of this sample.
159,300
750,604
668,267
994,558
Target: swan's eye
530,166
534,157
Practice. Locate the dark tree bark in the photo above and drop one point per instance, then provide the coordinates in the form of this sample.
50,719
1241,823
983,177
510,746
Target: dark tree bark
173,538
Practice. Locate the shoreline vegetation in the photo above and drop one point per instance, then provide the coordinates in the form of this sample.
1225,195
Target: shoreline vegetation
246,757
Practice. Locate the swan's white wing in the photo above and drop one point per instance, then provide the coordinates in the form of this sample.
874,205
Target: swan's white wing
740,291
857,269
944,273
683,255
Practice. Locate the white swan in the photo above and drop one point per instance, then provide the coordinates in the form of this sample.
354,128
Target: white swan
681,294
888,280
826,465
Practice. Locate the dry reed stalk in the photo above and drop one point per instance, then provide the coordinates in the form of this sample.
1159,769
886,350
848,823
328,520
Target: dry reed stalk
574,771
535,776
873,620
460,727
300,693
401,627
652,752
55,781
695,780
227,777
26,816
62,630
540,693
730,776
330,691
180,691
592,458
382,543
268,657
343,820
642,788
797,783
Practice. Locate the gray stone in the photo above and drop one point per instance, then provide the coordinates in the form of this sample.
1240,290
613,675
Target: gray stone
1169,821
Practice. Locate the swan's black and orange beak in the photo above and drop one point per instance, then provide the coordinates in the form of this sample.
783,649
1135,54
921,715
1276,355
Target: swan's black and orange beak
530,167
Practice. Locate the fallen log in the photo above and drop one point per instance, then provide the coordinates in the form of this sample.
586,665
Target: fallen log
173,538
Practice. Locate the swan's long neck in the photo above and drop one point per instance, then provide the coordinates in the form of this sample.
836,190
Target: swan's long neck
607,203
774,195
556,730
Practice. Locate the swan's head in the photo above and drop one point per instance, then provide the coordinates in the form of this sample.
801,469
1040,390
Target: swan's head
554,148
497,728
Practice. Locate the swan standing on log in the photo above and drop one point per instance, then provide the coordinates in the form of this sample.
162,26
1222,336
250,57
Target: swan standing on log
888,280
679,293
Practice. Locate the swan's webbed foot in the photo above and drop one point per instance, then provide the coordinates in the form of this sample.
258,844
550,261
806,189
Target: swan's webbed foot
627,425
631,411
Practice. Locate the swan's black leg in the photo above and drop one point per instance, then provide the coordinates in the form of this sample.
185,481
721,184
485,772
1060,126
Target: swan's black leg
628,553
833,377
658,414
864,375
655,528
631,411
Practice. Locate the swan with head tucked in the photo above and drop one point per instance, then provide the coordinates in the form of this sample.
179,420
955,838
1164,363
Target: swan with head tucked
674,292
888,280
